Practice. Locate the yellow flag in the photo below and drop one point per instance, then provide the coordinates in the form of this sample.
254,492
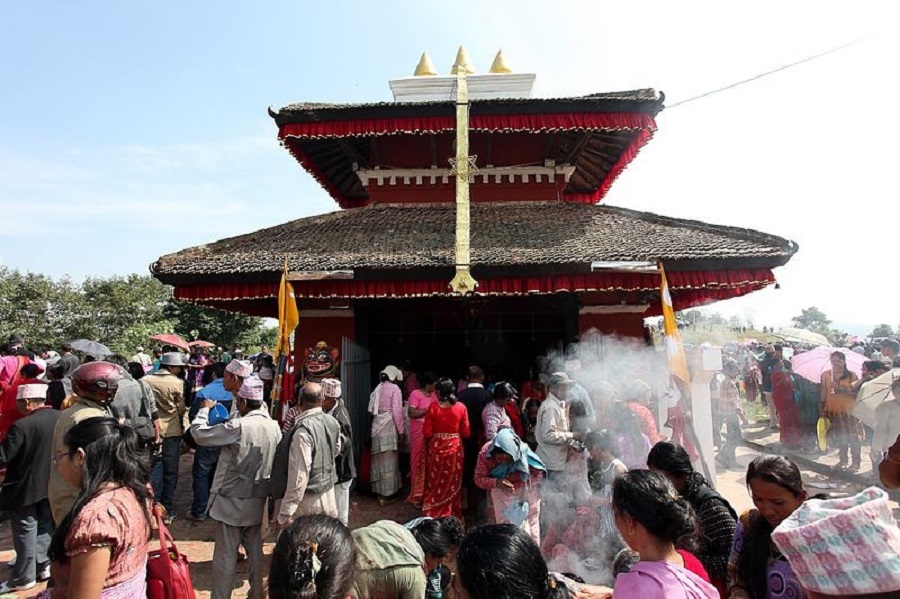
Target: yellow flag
288,315
674,346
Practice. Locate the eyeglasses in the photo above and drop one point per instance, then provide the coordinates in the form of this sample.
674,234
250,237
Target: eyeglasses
58,457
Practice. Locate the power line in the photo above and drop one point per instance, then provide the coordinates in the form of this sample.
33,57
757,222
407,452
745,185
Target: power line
767,73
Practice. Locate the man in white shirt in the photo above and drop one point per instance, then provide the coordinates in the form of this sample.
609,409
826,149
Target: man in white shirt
240,487
141,358
552,431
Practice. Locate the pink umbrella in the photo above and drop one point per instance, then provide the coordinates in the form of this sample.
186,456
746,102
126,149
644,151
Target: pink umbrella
811,364
201,343
171,339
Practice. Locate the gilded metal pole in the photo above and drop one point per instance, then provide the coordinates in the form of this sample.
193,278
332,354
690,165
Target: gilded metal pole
463,164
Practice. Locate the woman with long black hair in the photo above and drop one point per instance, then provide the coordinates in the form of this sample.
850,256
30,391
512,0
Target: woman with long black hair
100,547
717,518
501,561
655,522
446,425
314,558
756,568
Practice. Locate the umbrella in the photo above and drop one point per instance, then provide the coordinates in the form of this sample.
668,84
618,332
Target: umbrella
201,343
802,336
171,339
91,348
873,394
811,364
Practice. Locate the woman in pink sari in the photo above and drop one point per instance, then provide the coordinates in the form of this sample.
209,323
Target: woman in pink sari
419,400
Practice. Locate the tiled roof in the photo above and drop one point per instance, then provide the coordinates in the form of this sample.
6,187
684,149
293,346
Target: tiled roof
641,100
405,237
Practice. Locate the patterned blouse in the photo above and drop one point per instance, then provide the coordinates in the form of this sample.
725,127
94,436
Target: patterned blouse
112,519
781,582
494,418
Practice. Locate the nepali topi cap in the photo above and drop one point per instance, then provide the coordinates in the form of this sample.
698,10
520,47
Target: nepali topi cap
32,391
252,389
240,368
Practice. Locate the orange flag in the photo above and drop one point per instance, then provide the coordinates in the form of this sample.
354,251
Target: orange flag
674,346
288,314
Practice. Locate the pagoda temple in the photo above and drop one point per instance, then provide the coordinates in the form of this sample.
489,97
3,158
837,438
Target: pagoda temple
550,261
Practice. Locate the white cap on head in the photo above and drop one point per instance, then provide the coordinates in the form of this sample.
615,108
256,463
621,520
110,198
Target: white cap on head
331,388
241,368
140,348
393,373
32,391
252,389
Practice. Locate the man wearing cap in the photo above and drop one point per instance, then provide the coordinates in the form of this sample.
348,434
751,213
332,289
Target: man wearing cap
552,429
168,389
17,346
311,474
240,487
9,412
345,465
235,374
141,358
26,452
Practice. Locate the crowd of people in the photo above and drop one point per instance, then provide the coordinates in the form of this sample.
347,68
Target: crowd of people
563,489
796,405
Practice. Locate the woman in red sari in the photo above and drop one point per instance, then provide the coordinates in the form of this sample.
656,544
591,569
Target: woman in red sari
446,425
788,412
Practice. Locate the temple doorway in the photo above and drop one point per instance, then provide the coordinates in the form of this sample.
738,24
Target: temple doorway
503,335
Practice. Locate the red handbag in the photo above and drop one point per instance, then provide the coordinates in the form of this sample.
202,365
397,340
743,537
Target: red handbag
168,571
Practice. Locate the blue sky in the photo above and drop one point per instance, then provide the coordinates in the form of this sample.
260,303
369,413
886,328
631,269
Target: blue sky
130,130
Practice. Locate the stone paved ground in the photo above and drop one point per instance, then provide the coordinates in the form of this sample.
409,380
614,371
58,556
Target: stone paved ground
196,539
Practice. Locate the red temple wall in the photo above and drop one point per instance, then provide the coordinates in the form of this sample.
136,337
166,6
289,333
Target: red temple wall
624,325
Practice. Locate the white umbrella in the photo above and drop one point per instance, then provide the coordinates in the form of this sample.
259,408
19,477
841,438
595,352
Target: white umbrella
873,394
802,336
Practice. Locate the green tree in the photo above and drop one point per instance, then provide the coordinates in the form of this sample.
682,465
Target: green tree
119,306
121,312
882,330
44,311
221,327
814,320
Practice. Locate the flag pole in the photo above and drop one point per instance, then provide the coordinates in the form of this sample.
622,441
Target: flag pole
676,360
288,317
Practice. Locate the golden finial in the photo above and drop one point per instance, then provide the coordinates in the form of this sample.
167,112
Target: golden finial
462,63
499,65
425,68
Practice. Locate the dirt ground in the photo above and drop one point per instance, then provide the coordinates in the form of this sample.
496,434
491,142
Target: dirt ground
195,539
